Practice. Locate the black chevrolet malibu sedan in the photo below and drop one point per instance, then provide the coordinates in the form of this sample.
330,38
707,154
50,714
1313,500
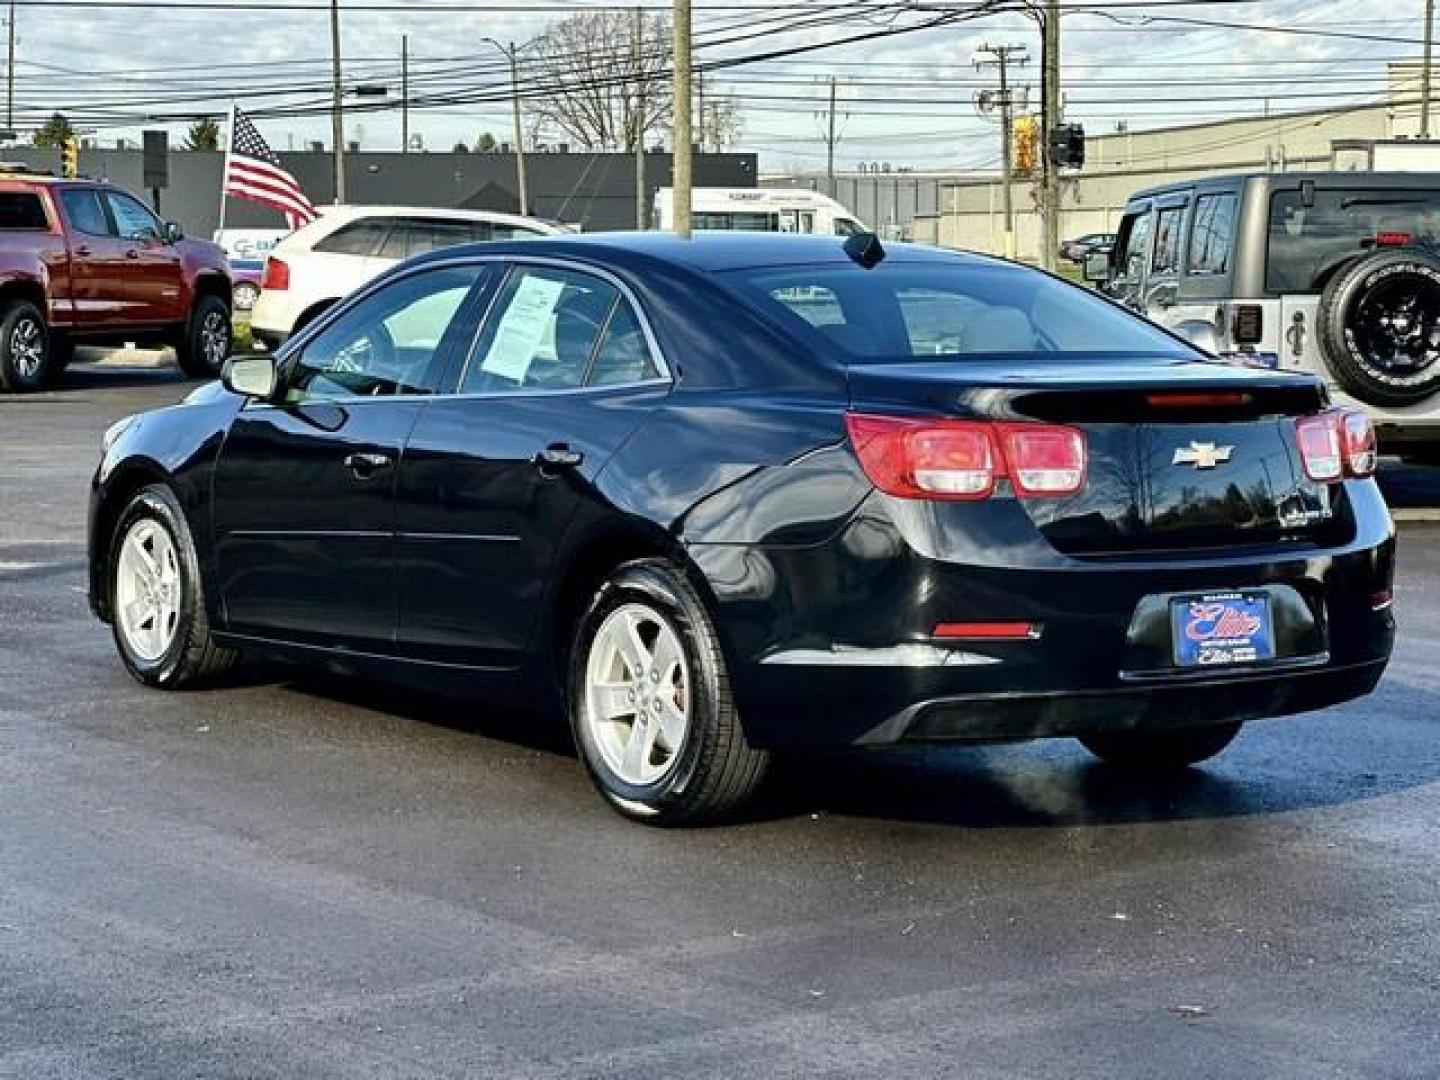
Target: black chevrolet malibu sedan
724,496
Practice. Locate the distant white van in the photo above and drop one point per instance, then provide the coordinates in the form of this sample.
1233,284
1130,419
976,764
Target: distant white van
789,210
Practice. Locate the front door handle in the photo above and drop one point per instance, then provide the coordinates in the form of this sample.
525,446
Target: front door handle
83,251
131,253
558,456
364,466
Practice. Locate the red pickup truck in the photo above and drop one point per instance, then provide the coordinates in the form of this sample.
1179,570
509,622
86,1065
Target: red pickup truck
82,261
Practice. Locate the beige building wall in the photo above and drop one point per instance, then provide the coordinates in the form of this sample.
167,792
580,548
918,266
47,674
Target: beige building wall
1121,163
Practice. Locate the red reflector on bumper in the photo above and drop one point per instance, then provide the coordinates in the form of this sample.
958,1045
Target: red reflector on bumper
986,631
1381,600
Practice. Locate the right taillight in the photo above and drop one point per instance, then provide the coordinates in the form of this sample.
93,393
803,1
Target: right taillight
1335,444
276,275
925,458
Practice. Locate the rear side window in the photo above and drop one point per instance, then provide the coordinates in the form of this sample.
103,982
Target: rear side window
1168,227
22,210
907,311
541,332
357,238
1211,236
1307,241
83,209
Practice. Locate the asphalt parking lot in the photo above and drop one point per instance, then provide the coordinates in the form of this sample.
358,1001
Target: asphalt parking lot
297,877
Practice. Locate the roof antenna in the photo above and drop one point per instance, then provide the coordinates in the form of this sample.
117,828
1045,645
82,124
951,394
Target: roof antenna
865,249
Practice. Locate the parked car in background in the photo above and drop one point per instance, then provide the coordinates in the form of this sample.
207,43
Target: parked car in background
786,210
346,246
84,262
1082,247
1337,273
246,276
740,493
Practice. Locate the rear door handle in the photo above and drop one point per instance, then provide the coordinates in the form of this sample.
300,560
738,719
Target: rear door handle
364,466
83,251
131,253
558,456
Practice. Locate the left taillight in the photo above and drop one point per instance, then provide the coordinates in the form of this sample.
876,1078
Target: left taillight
276,276
1337,443
937,458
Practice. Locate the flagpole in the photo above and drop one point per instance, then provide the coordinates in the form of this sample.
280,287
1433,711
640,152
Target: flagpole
225,166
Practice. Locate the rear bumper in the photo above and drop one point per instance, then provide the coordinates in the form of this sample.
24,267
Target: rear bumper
830,645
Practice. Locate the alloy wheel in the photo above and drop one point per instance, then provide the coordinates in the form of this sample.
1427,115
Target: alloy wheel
1397,326
148,589
27,348
637,694
214,338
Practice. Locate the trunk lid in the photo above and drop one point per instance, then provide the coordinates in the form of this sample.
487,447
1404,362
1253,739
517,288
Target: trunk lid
1182,456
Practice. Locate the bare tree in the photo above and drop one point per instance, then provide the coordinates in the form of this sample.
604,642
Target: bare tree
586,78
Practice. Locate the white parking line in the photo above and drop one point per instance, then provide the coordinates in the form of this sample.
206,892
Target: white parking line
1416,513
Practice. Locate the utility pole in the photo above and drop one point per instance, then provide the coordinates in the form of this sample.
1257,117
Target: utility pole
519,130
404,93
830,144
638,52
1002,56
1424,66
682,184
1050,107
337,107
700,111
10,75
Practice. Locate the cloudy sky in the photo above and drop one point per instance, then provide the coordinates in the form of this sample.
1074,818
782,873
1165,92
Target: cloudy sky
906,99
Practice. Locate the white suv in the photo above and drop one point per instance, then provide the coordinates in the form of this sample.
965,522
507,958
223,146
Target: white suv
348,245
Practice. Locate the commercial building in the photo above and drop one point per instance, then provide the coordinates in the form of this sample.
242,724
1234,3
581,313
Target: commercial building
594,191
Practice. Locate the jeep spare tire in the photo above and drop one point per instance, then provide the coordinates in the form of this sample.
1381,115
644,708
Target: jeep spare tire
1379,327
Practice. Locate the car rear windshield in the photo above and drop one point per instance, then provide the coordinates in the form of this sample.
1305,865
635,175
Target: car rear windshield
1307,241
21,210
904,311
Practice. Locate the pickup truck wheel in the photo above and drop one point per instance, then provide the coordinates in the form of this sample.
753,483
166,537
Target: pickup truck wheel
25,355
206,344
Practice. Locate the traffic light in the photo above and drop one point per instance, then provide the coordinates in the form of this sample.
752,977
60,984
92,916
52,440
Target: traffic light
70,157
1067,146
1026,145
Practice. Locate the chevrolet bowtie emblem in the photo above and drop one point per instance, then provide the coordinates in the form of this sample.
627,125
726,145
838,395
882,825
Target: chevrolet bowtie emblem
1203,455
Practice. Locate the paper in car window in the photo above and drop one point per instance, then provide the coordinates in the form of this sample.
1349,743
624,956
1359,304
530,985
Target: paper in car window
523,327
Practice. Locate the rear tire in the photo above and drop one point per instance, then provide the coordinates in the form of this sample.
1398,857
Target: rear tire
203,349
26,356
157,597
651,706
1160,751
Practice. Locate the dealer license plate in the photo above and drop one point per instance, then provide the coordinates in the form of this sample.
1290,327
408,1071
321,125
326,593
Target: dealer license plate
1220,629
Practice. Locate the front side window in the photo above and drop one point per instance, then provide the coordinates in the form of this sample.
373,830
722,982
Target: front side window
416,236
905,311
1308,241
1211,236
1168,228
1134,245
22,210
357,238
132,220
541,332
845,226
83,209
390,343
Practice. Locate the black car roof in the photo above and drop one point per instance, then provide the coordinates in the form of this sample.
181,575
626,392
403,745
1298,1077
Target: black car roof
707,251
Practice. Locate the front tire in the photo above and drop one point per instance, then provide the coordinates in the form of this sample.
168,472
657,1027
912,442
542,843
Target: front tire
26,356
157,598
651,706
1160,751
203,349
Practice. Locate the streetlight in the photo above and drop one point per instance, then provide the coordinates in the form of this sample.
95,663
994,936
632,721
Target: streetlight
509,53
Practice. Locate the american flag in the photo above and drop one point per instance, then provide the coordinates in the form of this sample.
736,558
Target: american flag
253,171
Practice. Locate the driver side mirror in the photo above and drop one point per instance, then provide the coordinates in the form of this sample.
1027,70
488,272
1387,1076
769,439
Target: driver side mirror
173,234
251,376
1097,267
